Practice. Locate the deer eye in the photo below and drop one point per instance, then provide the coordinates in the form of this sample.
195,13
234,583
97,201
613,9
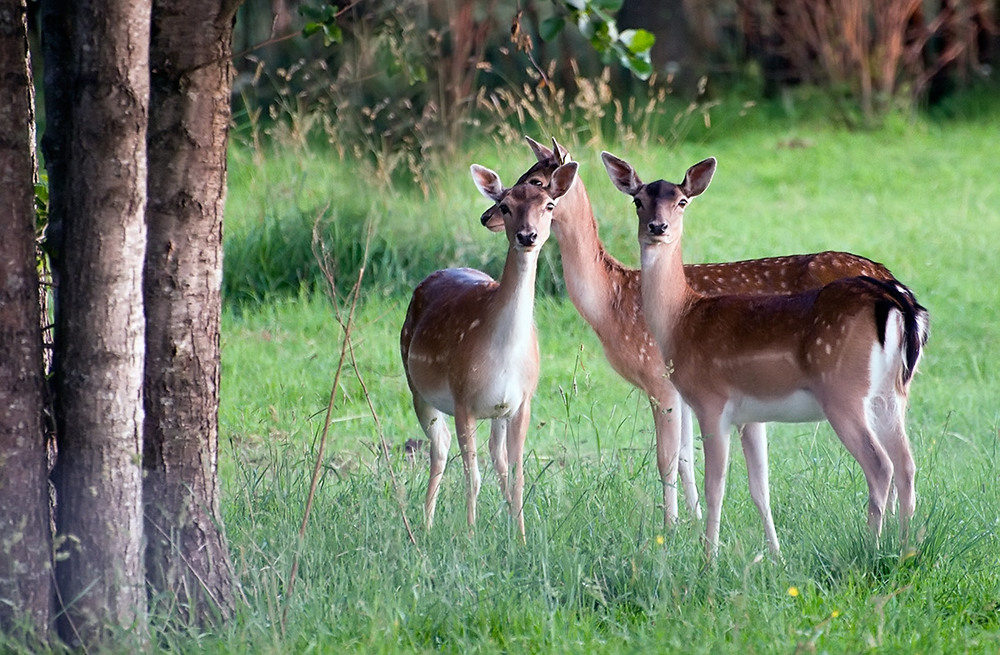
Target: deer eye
504,209
683,202
637,203
535,182
550,206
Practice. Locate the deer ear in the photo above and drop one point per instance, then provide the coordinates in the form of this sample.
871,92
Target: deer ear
492,219
542,153
621,173
562,179
698,177
487,182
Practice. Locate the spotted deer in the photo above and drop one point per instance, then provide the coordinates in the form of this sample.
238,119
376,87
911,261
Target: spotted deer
470,349
607,295
845,351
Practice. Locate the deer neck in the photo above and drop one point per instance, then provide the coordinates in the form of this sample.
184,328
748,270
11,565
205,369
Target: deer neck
665,292
589,282
515,297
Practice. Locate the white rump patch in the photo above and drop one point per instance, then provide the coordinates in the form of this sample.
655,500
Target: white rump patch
885,362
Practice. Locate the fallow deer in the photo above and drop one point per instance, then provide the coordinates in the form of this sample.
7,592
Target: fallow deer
607,295
470,349
845,352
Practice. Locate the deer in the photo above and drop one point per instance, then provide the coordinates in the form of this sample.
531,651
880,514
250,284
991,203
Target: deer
470,348
607,295
845,352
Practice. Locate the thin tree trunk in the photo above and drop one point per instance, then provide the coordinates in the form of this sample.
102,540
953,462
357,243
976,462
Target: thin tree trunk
25,538
100,326
187,559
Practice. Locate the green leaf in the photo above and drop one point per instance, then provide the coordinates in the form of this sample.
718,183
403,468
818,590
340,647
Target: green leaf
637,41
642,68
551,27
42,192
329,13
332,34
604,36
322,19
639,63
323,14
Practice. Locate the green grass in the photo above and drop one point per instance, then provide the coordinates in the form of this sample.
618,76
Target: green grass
598,571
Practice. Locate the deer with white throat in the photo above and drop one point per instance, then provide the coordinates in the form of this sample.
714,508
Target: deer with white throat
845,352
470,349
607,295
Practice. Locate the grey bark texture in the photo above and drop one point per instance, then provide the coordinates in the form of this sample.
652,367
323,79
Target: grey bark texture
100,327
187,559
25,537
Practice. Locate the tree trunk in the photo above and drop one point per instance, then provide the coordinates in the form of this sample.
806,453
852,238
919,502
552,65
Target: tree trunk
99,324
25,538
187,560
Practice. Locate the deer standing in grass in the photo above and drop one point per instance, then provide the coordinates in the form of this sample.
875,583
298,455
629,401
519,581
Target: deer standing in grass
607,295
470,349
845,352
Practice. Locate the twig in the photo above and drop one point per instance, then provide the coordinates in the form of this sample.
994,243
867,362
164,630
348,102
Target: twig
384,444
328,274
314,482
346,348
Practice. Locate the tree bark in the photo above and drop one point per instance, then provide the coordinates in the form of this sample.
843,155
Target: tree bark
25,537
99,325
187,560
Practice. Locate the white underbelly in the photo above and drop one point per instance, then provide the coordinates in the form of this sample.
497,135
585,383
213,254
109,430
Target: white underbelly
498,398
797,407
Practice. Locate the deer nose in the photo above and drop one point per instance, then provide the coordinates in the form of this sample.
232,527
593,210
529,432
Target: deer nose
657,229
527,238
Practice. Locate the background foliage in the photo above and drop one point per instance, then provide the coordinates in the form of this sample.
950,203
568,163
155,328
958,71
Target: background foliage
395,92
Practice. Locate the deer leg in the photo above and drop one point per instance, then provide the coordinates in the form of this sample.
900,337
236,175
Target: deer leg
498,453
435,427
685,460
753,437
668,438
889,414
465,426
850,423
715,441
516,433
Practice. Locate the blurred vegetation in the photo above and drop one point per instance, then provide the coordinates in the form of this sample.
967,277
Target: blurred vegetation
419,69
362,127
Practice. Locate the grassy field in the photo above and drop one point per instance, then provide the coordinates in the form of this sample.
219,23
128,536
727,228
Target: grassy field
599,572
